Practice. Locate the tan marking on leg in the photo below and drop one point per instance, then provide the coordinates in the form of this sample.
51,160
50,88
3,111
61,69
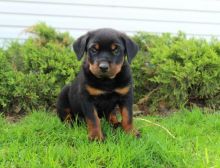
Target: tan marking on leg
127,124
94,91
68,118
94,128
122,91
113,119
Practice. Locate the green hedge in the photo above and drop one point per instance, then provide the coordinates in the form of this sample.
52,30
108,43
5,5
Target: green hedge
169,72
35,71
173,72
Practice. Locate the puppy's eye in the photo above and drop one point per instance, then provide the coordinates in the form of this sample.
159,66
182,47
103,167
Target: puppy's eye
116,50
93,50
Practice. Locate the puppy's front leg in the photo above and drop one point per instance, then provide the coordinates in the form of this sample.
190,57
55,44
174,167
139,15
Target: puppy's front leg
93,122
127,118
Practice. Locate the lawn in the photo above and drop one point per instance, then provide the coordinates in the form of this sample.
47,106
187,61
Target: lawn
40,140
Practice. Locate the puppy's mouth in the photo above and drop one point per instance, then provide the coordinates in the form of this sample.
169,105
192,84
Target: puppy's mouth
105,76
105,70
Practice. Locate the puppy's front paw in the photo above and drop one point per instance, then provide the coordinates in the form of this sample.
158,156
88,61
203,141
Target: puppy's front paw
96,136
132,131
136,133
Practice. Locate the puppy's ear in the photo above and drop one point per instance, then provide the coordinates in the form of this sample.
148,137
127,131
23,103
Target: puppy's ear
131,47
80,45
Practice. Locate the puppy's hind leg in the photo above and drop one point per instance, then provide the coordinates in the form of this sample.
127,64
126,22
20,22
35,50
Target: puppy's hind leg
112,118
63,106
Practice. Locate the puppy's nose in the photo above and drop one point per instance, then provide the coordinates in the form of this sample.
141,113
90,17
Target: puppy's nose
104,66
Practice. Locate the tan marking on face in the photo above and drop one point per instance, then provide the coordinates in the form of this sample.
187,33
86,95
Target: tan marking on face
122,91
113,46
115,69
94,91
94,128
97,47
94,68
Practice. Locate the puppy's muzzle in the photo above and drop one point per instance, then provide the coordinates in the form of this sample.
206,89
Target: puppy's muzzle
104,67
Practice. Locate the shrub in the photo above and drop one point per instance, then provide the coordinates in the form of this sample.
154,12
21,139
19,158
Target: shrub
177,72
37,69
6,74
169,72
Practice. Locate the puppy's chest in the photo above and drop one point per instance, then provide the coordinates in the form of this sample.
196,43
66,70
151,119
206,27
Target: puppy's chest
105,103
107,93
107,98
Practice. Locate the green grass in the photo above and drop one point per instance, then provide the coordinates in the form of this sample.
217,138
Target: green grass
40,140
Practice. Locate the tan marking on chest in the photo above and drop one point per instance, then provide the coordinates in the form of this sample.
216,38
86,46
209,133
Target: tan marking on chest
94,91
122,91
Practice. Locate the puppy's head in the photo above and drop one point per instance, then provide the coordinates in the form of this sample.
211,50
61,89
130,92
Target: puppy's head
106,50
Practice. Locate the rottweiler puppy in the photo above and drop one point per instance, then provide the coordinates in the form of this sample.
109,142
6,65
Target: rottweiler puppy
103,83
